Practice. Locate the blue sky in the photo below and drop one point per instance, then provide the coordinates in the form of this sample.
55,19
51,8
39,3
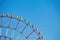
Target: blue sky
43,13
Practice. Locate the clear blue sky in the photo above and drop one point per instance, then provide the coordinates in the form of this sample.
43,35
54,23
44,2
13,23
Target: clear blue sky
42,13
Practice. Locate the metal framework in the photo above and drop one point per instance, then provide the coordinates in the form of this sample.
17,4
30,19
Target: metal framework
34,30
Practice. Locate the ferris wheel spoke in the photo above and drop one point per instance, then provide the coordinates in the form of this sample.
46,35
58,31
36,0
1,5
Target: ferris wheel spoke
29,34
12,34
34,30
17,25
9,23
38,38
7,31
23,29
17,37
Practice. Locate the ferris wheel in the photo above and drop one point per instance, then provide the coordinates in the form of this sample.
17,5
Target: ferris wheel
15,28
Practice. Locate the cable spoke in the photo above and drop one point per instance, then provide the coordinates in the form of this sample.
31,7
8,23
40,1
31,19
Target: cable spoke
30,34
23,29
17,25
12,34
